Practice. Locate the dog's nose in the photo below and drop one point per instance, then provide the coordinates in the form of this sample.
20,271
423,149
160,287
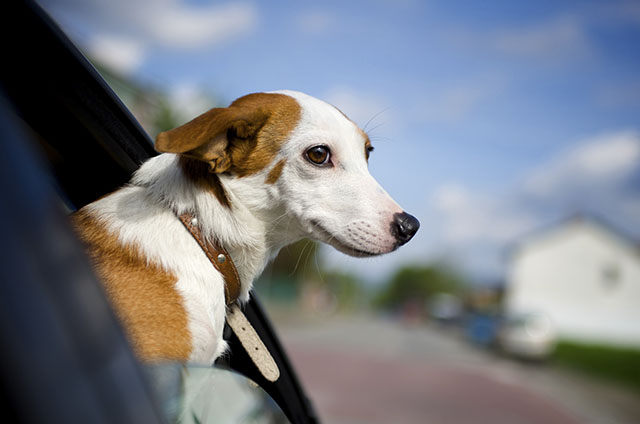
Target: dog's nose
404,227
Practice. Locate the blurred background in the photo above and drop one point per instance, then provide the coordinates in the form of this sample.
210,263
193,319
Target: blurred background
510,129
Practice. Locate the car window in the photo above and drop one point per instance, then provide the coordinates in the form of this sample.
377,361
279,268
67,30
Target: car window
200,395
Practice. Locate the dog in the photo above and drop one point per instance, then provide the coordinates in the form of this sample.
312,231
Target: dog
266,171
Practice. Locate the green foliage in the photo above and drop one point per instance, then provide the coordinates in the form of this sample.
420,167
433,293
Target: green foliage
347,288
153,106
164,116
300,264
294,266
418,284
297,262
616,364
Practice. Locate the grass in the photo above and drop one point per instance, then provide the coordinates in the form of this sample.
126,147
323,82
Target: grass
616,364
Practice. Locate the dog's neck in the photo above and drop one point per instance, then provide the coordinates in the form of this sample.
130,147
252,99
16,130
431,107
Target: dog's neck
251,226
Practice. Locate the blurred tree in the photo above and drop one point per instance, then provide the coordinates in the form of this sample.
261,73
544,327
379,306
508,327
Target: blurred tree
298,261
298,273
295,265
140,100
347,289
417,284
156,108
164,116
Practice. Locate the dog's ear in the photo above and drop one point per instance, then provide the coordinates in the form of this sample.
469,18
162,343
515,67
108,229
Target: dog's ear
210,136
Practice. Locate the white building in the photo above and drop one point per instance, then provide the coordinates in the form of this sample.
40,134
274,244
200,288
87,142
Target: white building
584,277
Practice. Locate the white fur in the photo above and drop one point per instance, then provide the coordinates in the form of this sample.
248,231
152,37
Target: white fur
341,205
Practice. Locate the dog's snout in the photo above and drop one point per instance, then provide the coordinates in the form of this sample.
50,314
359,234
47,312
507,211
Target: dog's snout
404,227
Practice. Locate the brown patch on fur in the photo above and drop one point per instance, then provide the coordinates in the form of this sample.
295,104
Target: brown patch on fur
142,294
275,172
242,139
249,156
198,172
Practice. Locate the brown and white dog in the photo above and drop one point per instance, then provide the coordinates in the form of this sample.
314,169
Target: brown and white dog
268,170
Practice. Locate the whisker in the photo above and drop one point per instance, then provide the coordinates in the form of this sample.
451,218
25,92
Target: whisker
315,257
306,260
375,128
276,221
299,257
279,218
380,138
374,117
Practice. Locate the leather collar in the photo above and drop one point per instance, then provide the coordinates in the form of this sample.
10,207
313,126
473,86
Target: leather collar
218,257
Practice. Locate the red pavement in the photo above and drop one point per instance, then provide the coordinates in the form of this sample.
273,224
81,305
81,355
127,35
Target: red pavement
348,388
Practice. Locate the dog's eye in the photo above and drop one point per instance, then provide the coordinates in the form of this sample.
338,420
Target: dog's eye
319,155
368,150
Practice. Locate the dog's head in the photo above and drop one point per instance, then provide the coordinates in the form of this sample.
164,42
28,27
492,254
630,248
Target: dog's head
302,158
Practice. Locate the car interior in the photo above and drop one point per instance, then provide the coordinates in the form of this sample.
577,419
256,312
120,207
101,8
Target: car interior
67,140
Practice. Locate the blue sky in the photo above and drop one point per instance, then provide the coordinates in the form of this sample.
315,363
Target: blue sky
490,119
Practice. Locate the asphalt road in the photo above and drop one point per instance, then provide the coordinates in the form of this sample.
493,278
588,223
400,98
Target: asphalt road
368,370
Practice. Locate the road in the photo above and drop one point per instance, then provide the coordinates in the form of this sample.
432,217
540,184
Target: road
369,370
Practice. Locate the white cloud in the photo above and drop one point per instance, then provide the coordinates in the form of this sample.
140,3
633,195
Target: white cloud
476,217
451,197
600,161
364,109
135,26
189,100
455,103
621,94
598,176
617,12
552,39
557,40
314,22
181,26
123,55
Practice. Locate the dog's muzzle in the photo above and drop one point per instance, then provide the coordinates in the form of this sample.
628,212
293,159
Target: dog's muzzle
404,227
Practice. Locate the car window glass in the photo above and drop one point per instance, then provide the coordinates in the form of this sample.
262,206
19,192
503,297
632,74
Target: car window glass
200,395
